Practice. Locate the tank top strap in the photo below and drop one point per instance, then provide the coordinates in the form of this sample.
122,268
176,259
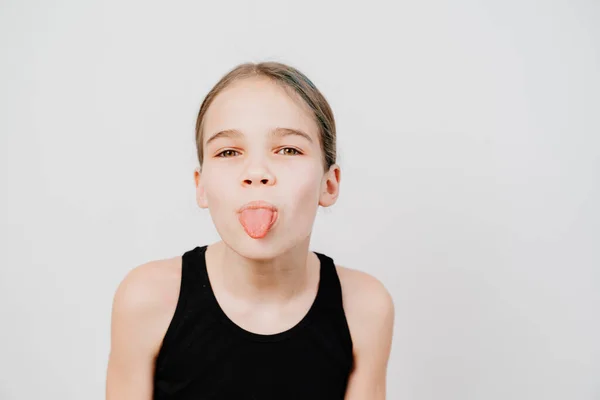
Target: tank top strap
187,303
332,313
193,271
330,292
198,280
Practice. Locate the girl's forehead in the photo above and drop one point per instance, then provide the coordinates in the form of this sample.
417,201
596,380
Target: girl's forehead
258,105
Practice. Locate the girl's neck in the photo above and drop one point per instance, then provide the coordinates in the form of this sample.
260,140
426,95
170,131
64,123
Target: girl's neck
264,282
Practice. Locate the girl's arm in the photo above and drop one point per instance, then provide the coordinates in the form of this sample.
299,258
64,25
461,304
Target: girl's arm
370,312
140,317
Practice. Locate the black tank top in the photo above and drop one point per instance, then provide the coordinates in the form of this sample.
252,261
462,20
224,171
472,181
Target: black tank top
205,355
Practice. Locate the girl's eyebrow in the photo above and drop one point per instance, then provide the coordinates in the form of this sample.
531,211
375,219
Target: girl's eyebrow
277,132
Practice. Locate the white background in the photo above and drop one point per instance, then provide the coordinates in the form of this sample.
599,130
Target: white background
470,152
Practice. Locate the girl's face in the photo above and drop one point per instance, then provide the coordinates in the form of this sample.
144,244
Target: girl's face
261,143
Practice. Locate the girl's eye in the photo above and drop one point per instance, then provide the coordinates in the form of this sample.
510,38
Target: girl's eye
294,151
230,153
221,154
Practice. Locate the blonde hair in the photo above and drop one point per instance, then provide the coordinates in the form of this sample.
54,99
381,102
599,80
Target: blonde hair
288,77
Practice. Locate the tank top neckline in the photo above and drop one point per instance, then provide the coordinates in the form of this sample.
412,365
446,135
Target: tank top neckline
260,337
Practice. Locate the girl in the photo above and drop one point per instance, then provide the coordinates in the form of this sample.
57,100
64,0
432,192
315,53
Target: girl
256,315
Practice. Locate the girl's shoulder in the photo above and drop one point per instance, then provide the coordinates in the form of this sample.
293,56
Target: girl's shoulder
146,298
366,301
354,281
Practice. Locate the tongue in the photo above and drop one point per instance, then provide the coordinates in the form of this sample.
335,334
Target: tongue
257,222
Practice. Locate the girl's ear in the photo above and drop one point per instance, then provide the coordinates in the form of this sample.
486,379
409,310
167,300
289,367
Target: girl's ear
330,188
200,192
